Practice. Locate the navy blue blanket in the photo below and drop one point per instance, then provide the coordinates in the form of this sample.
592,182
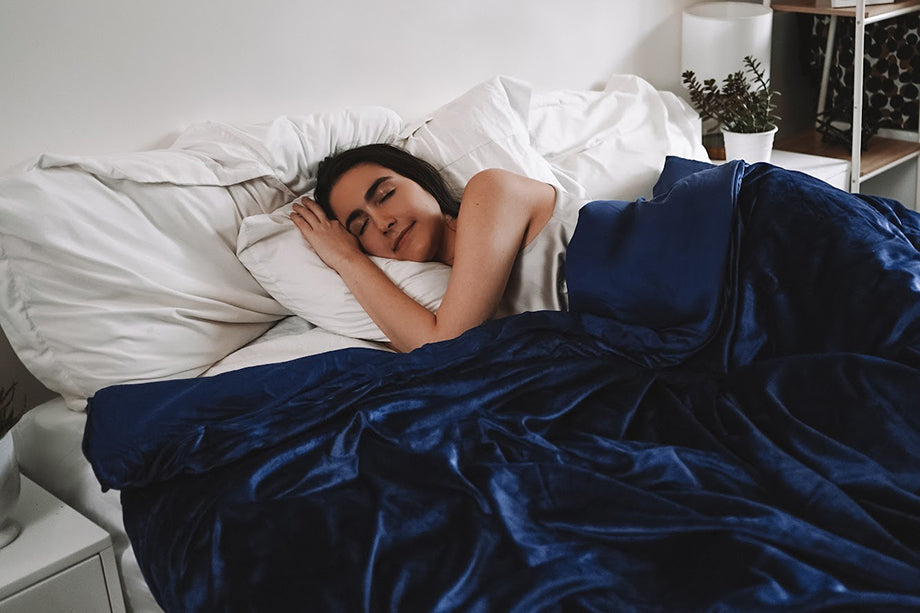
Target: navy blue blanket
730,421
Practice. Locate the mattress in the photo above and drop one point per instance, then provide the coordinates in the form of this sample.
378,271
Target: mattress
48,445
48,441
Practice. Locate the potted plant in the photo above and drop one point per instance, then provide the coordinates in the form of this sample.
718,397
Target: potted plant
9,468
745,107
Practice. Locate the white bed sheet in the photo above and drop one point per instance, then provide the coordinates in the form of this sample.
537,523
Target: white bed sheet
289,339
48,441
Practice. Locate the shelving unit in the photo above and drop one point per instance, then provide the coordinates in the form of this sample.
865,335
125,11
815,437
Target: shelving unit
883,153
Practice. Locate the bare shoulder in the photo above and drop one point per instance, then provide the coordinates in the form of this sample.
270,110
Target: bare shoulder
500,180
509,192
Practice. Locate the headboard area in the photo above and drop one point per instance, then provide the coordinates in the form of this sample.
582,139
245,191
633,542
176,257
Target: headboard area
103,77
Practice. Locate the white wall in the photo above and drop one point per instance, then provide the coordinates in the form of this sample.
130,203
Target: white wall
103,76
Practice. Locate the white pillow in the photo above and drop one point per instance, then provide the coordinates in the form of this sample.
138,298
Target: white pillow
294,146
612,144
484,128
123,268
487,127
276,254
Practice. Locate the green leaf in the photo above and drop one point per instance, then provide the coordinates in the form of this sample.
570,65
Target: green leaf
740,104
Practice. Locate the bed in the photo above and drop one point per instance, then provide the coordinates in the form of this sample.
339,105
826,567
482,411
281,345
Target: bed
726,421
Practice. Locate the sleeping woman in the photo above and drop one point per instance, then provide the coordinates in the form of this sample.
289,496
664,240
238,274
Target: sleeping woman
505,240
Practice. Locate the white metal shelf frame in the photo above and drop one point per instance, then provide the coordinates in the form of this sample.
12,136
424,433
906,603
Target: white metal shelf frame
862,18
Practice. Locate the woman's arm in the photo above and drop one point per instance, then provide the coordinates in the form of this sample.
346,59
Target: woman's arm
500,212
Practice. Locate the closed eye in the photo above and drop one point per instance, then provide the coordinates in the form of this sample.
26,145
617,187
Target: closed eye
386,196
357,225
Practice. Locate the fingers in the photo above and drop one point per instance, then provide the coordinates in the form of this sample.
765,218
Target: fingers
301,224
304,203
307,211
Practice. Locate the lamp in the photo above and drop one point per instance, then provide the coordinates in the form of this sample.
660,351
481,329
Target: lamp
718,35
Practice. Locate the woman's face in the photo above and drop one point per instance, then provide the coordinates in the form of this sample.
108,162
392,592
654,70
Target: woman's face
392,216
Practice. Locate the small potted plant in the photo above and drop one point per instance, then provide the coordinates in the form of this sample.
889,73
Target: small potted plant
9,468
745,107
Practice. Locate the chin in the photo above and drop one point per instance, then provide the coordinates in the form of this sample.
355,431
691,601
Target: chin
417,253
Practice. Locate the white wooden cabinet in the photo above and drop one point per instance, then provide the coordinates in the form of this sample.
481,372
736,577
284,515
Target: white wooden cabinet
61,562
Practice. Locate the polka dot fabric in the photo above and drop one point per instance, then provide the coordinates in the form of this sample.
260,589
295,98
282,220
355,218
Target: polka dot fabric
892,69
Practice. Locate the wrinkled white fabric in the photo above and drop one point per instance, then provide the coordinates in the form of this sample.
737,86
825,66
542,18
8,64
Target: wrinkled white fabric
611,145
123,268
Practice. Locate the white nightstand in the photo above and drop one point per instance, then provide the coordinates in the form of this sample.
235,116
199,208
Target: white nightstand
60,562
833,171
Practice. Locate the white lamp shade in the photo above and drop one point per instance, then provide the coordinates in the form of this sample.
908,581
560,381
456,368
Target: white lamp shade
718,35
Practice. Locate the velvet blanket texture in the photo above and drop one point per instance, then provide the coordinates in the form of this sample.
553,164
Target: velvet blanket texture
729,419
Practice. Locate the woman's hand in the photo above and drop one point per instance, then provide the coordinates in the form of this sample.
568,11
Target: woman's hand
328,237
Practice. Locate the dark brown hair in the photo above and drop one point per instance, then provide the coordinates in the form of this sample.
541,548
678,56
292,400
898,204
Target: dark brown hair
388,156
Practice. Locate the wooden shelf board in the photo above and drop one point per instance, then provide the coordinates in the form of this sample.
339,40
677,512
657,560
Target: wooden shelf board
874,12
881,153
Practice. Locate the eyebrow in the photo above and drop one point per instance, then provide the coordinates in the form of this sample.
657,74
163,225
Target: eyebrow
369,194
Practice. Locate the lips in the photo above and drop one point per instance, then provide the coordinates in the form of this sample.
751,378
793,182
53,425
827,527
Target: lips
401,236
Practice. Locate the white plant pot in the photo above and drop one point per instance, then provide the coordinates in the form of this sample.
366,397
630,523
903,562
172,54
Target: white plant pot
9,490
751,148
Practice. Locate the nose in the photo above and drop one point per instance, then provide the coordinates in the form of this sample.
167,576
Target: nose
384,223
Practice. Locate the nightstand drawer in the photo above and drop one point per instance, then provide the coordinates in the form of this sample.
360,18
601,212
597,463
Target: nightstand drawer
78,589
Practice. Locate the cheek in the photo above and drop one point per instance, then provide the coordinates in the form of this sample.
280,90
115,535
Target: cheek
425,240
374,244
